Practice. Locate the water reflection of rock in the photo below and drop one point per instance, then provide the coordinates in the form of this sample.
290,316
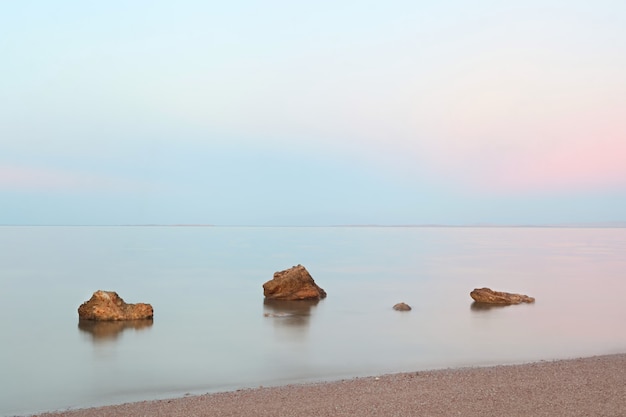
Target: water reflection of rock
102,331
482,307
289,313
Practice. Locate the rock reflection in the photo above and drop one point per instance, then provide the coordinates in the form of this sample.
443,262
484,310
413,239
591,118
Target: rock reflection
482,307
289,313
103,331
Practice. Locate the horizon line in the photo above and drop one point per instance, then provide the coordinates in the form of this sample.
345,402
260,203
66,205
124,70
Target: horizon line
609,224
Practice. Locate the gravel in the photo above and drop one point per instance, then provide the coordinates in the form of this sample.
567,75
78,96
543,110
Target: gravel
594,386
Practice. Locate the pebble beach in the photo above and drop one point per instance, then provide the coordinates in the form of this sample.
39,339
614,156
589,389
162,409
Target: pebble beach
594,386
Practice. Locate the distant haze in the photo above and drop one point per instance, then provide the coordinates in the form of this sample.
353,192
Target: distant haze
319,113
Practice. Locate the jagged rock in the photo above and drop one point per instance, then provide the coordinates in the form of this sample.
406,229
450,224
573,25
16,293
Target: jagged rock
108,306
402,307
294,283
489,296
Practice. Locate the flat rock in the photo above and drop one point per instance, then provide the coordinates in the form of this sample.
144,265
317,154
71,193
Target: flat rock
294,283
402,307
489,296
108,306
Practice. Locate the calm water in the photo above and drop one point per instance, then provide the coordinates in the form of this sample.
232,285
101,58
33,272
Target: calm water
210,333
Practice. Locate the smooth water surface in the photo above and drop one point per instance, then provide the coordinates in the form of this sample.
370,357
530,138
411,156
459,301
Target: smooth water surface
212,330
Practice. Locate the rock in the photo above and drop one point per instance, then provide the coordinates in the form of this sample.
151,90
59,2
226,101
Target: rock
488,296
402,307
294,283
108,306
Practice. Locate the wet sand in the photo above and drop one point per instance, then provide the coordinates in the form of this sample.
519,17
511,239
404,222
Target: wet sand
594,386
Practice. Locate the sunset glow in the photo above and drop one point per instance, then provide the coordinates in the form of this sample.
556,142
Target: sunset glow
365,111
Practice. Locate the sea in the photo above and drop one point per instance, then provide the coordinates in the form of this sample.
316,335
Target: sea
213,331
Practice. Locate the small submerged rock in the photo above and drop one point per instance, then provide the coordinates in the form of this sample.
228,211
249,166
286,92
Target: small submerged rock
108,306
402,307
294,283
489,296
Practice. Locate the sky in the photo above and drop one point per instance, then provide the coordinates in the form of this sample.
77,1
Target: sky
312,113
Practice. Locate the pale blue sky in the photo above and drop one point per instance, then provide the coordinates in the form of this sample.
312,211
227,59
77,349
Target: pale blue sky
344,112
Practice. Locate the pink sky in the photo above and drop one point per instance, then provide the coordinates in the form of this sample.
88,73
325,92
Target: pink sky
29,178
367,113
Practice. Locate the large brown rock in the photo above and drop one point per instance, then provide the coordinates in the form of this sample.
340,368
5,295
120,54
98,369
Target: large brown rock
108,306
294,283
489,296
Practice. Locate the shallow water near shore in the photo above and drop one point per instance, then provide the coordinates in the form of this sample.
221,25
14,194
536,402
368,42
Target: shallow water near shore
213,331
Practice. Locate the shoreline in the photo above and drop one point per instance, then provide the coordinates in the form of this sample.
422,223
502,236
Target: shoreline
571,387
